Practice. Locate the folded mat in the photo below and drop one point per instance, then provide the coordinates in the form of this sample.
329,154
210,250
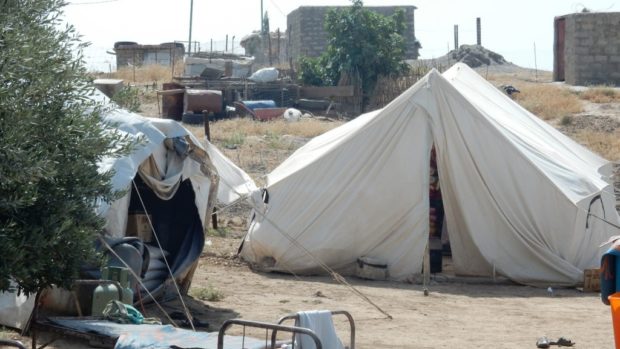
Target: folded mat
155,336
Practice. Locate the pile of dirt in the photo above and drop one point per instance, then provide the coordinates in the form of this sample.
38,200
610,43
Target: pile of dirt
476,56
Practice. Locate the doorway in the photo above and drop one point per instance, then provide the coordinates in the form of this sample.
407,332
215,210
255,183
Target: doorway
436,217
559,58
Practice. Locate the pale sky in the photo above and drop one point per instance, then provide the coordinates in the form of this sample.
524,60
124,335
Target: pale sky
510,28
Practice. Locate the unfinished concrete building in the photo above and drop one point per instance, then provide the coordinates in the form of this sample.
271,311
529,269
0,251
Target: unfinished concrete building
587,48
131,53
307,37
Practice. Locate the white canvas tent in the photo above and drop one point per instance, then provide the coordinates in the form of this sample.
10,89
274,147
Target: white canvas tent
516,192
179,183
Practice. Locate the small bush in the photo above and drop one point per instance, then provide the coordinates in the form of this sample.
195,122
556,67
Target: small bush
208,293
273,139
234,140
128,98
566,120
219,232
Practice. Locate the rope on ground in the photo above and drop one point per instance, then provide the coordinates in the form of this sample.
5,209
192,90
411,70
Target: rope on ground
335,275
174,282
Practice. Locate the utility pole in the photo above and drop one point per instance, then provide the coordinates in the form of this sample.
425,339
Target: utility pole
478,32
456,37
191,16
261,16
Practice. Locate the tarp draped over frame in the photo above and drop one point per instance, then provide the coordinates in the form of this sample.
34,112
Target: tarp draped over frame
162,169
516,191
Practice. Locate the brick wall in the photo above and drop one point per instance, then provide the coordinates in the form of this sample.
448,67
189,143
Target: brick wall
308,38
592,48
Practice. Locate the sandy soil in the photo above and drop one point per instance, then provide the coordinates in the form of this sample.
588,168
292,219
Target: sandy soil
456,314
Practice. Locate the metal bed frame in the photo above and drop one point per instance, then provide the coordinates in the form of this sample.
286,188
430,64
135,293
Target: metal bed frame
280,327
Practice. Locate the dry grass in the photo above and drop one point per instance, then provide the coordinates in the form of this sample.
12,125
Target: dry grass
606,144
147,74
259,147
548,101
225,130
600,94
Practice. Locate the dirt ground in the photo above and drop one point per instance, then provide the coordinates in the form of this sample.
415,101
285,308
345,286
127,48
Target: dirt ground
457,313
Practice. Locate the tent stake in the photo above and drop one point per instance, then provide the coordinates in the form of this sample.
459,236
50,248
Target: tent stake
427,269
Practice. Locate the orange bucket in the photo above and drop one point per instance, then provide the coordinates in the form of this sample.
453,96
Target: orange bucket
614,302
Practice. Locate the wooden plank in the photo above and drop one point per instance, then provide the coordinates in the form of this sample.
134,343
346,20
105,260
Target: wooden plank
325,91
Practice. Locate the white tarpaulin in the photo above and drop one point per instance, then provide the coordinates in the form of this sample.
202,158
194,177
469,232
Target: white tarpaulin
516,191
152,153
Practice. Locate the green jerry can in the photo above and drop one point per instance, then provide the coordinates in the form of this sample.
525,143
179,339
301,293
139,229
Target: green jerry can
105,293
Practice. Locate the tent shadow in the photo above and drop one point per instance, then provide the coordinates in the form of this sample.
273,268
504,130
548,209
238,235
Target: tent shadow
202,313
475,287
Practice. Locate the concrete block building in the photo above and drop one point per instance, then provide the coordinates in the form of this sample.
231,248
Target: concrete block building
307,37
131,53
587,48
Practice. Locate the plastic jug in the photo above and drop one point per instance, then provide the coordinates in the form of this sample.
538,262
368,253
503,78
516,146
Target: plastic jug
105,293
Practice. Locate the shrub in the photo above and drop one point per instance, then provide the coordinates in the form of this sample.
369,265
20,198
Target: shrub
566,120
128,98
208,293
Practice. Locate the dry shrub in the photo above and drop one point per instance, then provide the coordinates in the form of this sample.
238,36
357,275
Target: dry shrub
306,128
600,94
148,73
548,101
606,144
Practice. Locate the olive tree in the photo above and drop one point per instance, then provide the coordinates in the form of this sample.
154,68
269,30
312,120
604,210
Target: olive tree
51,140
361,43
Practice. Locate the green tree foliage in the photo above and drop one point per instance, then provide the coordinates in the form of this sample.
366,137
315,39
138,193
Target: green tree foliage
361,43
51,139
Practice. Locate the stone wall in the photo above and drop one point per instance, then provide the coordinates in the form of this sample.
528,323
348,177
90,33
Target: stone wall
592,48
307,37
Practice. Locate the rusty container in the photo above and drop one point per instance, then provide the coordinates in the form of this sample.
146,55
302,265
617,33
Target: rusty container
198,100
172,101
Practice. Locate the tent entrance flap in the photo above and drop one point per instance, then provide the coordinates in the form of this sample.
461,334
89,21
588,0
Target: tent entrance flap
177,226
438,239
